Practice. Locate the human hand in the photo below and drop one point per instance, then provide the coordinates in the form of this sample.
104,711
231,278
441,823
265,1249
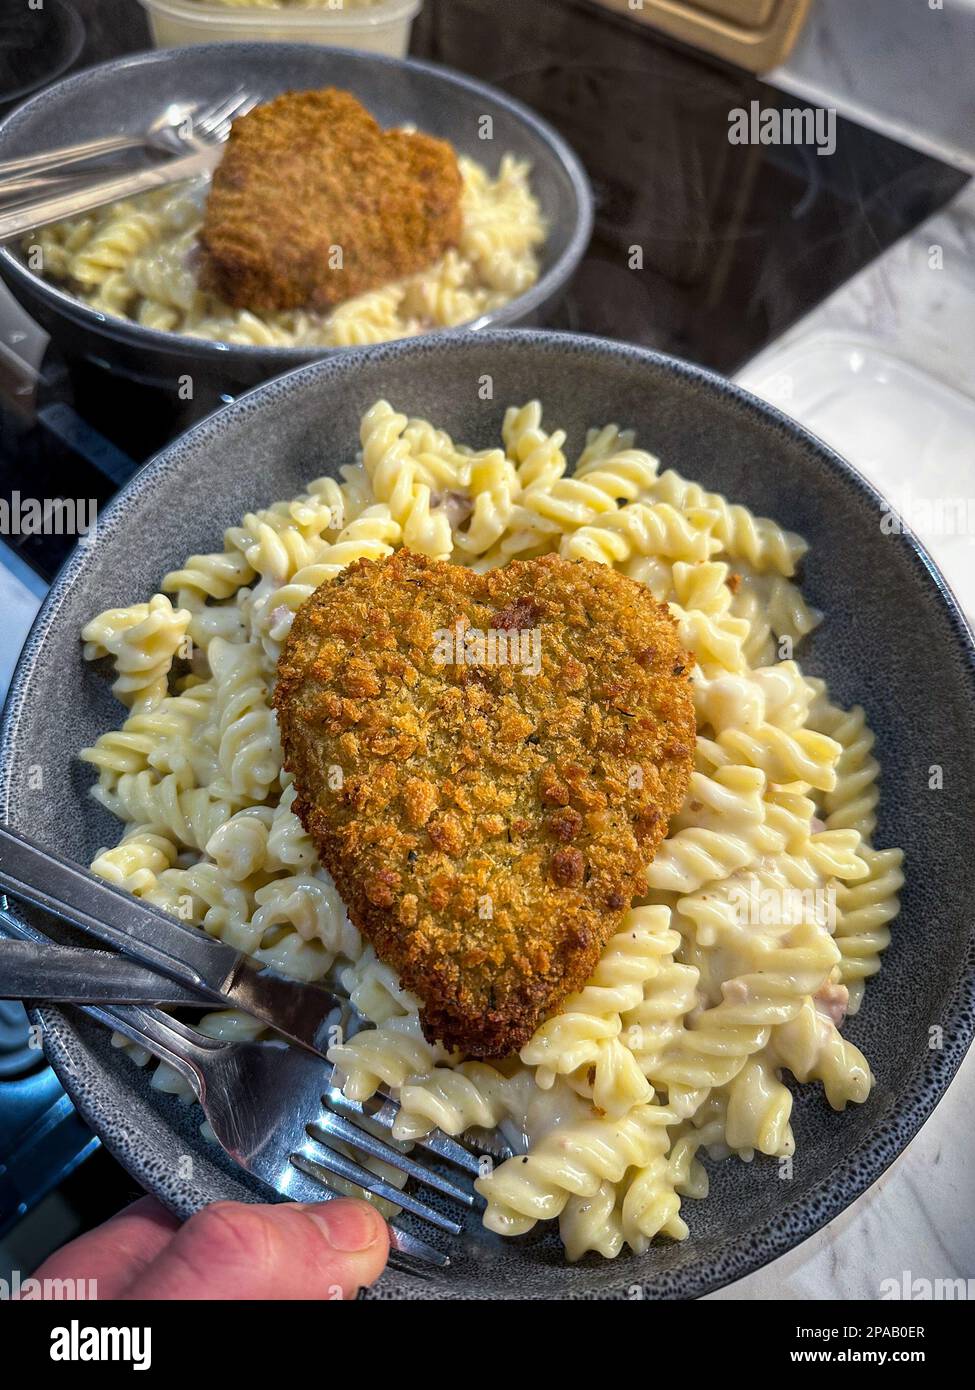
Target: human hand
230,1250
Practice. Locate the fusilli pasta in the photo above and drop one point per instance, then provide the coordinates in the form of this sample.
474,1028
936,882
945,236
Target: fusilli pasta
136,259
768,906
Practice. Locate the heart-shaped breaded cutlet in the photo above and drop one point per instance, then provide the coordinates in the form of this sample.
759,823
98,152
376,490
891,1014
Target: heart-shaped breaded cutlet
314,202
487,763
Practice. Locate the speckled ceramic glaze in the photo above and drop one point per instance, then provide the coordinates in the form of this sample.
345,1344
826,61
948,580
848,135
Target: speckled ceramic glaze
120,96
893,640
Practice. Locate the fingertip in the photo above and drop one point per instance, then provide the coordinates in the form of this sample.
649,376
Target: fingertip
351,1226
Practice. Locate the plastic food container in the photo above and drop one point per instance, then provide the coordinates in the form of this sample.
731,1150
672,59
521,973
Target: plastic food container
383,27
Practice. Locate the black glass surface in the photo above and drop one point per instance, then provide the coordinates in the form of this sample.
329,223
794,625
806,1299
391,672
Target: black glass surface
737,241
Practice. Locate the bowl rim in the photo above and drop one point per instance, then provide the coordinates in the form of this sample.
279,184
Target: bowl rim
797,1220
213,352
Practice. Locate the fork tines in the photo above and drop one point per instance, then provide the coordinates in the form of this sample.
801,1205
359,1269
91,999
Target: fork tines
384,1110
322,1161
213,123
330,1127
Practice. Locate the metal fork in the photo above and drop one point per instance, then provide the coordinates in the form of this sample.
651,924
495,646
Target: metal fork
212,126
169,133
307,1013
39,208
272,1108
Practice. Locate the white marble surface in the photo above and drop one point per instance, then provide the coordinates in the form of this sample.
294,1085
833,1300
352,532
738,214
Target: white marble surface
884,371
903,67
919,1218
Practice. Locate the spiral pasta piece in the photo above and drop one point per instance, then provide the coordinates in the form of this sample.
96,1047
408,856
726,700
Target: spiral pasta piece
493,486
114,245
583,1035
203,895
216,576
289,846
592,1223
721,828
191,815
142,640
571,502
309,904
537,454
864,911
387,1055
786,756
715,1045
136,862
239,846
164,737
370,536
852,803
501,228
641,528
763,543
249,748
758,1109
569,1161
454,1099
813,1049
388,459
374,989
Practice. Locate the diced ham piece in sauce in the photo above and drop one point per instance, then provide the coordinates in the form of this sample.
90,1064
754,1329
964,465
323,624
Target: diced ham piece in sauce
457,505
735,992
832,1001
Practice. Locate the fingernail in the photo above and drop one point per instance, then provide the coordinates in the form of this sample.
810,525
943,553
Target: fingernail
347,1225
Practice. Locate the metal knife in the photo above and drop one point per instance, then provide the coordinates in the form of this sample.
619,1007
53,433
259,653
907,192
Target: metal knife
307,1013
49,207
82,975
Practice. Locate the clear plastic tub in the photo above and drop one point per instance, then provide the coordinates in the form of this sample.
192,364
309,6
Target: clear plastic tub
382,27
909,433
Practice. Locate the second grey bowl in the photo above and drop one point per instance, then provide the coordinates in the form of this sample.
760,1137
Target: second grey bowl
120,96
892,640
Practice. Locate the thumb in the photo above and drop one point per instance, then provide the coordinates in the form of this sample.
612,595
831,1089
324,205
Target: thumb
233,1250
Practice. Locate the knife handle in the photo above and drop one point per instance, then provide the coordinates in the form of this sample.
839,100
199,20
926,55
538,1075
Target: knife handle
47,208
152,937
81,975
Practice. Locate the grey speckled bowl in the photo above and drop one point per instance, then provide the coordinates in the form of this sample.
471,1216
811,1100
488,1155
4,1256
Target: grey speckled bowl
893,639
119,96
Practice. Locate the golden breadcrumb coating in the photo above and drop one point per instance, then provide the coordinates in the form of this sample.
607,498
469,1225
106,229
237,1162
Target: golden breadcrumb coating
310,172
486,826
